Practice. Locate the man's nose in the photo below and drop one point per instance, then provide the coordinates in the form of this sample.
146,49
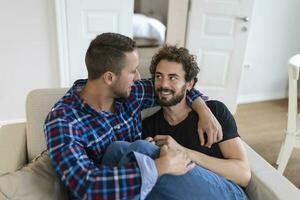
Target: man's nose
164,82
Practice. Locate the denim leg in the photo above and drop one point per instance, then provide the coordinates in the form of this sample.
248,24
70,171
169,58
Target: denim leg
114,152
199,183
140,146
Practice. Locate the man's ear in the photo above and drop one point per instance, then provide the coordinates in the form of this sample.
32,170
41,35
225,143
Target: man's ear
109,77
190,84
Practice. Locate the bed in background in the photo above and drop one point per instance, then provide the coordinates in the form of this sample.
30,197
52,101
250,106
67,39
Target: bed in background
149,34
148,31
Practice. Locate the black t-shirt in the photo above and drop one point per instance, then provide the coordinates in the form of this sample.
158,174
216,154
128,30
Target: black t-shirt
186,134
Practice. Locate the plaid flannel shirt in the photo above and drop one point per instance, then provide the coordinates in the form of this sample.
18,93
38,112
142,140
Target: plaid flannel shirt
77,137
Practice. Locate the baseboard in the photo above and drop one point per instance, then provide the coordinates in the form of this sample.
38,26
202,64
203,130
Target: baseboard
251,98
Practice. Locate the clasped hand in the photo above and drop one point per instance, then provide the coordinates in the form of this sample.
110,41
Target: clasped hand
173,158
167,140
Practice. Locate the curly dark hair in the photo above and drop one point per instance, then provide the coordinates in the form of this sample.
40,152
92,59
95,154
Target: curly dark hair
106,53
179,55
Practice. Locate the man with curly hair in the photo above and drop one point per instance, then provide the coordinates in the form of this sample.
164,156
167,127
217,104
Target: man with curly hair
221,170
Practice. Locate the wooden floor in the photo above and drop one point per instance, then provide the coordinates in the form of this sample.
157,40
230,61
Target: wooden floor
262,126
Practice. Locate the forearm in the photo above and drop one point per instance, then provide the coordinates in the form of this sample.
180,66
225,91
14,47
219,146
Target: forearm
83,178
207,123
232,169
199,106
195,97
105,182
142,91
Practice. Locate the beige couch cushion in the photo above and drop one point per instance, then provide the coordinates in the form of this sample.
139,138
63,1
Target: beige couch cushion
37,180
12,147
38,105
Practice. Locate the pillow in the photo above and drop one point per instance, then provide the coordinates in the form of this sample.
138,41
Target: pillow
37,180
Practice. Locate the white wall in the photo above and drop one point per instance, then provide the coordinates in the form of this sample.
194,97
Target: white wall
28,58
274,37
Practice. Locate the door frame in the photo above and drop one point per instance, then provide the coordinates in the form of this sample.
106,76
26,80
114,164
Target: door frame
62,42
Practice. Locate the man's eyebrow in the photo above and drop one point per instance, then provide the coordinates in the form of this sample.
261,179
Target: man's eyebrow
174,74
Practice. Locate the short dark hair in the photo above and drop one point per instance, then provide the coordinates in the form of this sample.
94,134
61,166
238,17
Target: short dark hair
179,55
107,53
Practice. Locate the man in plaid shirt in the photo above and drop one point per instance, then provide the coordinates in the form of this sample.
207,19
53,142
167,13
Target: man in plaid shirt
104,110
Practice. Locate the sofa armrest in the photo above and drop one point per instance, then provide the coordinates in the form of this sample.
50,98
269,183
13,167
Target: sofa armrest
13,153
266,182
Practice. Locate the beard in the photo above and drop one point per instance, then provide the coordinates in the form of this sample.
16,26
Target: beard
162,101
120,93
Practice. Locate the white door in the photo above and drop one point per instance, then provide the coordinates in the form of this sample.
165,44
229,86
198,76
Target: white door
78,22
217,34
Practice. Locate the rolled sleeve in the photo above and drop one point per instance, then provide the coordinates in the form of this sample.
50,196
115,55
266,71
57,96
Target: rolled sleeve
194,94
149,173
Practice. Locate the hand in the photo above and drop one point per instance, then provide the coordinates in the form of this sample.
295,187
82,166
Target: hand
209,124
150,139
173,162
167,140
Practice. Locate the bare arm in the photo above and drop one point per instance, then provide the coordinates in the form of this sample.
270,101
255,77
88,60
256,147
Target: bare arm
234,167
207,123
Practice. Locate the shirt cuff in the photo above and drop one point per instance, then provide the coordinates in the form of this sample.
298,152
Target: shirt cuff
148,171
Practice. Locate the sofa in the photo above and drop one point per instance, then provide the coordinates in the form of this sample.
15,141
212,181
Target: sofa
26,171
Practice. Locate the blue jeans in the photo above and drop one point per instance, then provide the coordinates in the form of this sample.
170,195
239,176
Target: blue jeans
199,183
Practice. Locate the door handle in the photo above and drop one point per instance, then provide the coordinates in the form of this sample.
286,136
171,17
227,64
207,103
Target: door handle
245,19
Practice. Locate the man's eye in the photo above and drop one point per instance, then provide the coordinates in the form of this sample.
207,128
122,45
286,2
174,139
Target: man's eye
158,76
172,78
